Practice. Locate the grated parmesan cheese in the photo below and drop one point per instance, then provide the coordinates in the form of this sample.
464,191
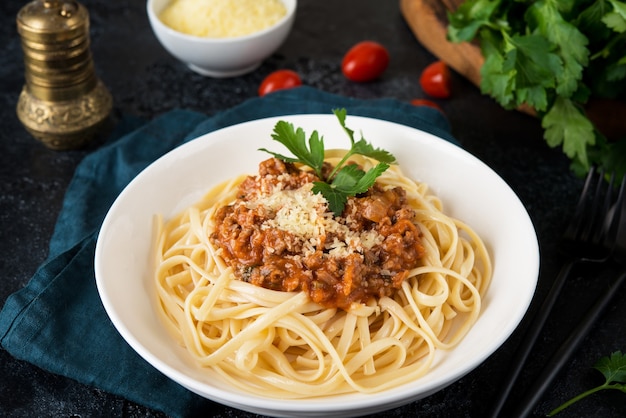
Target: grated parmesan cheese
222,18
305,215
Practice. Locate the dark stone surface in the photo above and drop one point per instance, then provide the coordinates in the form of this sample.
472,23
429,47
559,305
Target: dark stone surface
145,81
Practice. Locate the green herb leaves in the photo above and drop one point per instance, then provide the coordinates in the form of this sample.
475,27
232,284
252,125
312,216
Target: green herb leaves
349,181
614,370
294,140
552,56
344,180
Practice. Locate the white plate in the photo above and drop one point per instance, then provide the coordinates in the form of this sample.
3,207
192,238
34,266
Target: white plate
469,189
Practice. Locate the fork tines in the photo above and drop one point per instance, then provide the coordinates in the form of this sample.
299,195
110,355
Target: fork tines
593,208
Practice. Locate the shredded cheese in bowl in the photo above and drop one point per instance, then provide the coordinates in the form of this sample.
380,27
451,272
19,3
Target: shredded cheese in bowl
222,18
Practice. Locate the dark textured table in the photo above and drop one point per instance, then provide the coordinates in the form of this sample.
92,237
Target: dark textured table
145,81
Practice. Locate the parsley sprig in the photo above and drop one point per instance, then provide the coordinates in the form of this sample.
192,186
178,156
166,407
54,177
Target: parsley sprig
552,56
344,180
614,370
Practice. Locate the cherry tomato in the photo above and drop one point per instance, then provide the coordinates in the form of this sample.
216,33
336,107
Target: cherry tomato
426,102
279,80
365,61
435,80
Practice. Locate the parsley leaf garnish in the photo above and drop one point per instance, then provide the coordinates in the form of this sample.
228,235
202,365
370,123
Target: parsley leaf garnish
344,180
349,181
614,370
294,140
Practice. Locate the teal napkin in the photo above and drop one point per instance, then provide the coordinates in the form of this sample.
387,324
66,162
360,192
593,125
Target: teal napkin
57,321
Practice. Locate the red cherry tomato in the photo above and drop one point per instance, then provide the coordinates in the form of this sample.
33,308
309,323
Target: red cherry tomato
435,80
279,80
426,102
365,61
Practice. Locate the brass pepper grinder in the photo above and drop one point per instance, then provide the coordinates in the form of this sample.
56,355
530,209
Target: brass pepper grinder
63,103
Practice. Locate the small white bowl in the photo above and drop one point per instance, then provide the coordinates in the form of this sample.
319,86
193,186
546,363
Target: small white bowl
469,190
221,57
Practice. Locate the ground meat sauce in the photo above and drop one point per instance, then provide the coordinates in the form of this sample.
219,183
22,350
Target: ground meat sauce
280,235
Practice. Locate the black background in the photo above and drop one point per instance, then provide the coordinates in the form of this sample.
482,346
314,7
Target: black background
145,81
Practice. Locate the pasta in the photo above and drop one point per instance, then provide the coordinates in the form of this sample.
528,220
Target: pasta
282,344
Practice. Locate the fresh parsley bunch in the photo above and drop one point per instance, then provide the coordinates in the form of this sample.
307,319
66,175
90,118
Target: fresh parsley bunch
552,55
344,180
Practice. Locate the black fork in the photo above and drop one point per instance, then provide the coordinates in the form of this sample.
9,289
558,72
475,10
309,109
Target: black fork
589,238
591,231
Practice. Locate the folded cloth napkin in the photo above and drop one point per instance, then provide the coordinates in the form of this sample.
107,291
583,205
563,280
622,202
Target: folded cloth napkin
57,321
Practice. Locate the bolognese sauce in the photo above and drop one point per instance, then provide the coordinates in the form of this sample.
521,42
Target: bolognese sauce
280,235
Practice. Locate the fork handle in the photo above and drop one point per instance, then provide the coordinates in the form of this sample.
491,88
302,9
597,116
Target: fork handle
530,337
567,348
